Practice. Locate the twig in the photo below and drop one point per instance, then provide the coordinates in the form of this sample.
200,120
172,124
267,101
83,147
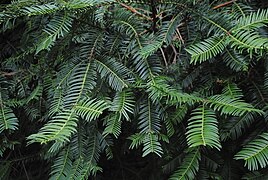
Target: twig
25,171
8,73
164,57
262,97
24,168
223,4
180,36
145,11
135,11
143,32
175,54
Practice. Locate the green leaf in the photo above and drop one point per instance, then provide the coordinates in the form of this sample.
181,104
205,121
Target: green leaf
8,120
123,103
62,166
206,49
232,90
151,145
236,61
113,125
253,20
90,109
58,26
250,41
149,117
59,128
189,166
116,74
230,105
36,93
234,127
85,163
5,169
255,175
40,9
45,43
80,82
158,89
136,139
164,35
255,153
147,68
202,128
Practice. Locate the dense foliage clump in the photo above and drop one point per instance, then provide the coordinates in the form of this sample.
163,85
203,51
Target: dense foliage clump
111,89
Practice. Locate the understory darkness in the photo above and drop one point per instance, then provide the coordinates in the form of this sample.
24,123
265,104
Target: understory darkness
133,90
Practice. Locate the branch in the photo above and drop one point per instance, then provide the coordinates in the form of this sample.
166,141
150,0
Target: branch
164,57
224,4
180,36
175,54
135,11
8,73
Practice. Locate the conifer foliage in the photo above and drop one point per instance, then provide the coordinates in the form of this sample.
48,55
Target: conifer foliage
133,89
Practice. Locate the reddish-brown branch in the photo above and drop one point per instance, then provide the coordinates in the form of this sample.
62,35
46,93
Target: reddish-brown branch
135,11
223,4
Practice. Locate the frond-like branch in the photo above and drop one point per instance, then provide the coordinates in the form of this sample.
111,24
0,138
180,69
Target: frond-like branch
189,166
123,103
113,125
236,126
151,145
8,120
81,81
252,21
117,75
62,165
58,27
149,117
59,128
90,109
147,68
231,106
158,88
255,153
164,35
235,61
206,49
202,128
232,90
